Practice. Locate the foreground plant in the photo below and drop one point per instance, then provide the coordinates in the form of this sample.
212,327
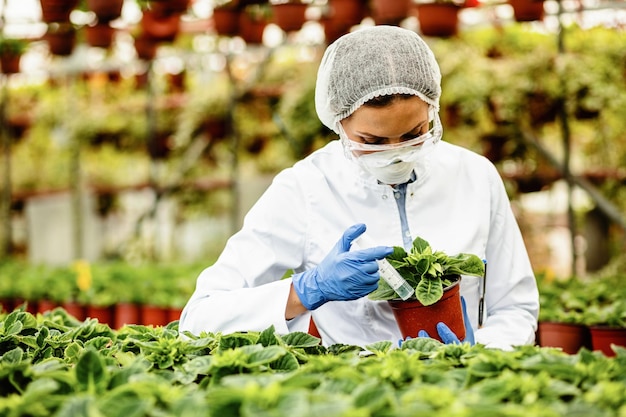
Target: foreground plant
428,271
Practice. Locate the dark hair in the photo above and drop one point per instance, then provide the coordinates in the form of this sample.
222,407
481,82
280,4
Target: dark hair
382,101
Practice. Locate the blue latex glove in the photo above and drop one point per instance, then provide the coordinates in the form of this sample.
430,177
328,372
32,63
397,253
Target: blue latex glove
447,335
342,275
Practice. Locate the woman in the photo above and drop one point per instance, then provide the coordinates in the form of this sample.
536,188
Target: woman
378,88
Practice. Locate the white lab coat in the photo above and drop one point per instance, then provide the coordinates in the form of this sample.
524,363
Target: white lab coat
458,204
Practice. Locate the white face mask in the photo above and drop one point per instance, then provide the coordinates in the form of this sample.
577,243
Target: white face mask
392,164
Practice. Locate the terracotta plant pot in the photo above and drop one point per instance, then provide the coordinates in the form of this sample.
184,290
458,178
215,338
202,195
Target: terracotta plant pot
106,10
569,337
145,47
6,305
104,314
412,316
10,63
226,21
74,309
44,305
438,20
603,336
251,29
289,16
159,27
390,12
173,314
126,313
57,10
99,35
527,10
61,42
154,316
348,12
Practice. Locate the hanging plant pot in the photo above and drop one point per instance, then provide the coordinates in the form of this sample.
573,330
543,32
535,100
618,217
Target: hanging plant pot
527,10
438,20
251,28
10,63
159,27
289,16
226,21
99,35
145,47
169,7
61,40
346,12
105,10
567,336
602,337
390,12
412,316
57,10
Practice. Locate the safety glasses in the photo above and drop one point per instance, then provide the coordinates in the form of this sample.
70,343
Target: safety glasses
433,135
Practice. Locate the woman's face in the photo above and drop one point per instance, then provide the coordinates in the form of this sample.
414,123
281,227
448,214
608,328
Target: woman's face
400,120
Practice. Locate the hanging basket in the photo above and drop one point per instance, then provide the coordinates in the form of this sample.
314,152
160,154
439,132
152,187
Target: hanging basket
10,63
226,21
61,40
527,10
57,10
390,12
159,27
251,29
438,20
289,16
346,13
105,10
99,35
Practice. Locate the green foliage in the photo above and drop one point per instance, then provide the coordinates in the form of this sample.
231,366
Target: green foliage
598,299
428,271
12,46
145,371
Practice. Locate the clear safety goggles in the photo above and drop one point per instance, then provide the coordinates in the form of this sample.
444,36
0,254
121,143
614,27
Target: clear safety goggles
432,136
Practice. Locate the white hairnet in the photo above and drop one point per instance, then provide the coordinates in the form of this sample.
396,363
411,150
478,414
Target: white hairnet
371,62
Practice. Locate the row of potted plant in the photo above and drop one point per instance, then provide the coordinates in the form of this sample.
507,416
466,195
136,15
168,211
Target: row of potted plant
53,365
115,293
584,312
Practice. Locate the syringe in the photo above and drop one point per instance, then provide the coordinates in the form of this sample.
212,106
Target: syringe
387,271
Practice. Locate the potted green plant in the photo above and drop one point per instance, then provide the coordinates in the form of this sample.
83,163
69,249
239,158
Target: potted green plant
561,317
435,277
11,51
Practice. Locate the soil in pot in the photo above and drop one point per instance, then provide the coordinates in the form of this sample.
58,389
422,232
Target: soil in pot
412,316
567,336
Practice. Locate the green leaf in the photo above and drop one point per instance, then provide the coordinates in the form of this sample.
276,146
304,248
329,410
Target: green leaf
12,357
268,337
420,245
300,340
422,344
90,371
265,355
379,348
123,403
287,362
429,291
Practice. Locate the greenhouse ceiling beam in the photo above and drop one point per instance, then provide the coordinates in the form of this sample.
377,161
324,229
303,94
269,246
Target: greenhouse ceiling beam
606,206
